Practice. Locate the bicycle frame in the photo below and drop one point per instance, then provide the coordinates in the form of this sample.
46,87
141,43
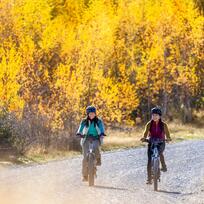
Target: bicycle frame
155,150
91,145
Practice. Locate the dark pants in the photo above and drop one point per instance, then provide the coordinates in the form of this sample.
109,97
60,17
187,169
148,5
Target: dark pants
161,148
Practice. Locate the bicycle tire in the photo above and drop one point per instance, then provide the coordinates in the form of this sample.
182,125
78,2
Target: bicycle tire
91,169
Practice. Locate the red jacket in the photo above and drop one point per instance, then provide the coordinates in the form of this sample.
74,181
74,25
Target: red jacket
157,130
154,130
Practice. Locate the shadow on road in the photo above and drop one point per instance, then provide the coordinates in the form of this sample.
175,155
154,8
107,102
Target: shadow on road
110,188
170,192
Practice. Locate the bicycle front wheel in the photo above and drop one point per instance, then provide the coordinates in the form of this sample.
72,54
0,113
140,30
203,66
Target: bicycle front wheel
91,169
155,173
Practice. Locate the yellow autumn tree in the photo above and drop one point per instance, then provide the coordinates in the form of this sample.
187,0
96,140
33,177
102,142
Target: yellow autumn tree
57,57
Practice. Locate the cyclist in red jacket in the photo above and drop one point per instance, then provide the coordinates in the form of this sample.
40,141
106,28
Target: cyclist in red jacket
156,129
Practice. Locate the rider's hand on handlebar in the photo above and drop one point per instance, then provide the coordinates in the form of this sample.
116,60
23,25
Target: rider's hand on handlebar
143,139
168,140
79,135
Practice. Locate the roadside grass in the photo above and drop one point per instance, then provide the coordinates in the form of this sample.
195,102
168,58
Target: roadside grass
120,139
117,138
39,157
127,139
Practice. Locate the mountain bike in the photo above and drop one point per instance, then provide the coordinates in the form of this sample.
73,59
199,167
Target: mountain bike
91,160
155,160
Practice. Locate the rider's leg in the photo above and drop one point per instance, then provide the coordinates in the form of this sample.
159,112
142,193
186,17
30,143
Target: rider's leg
85,149
97,152
161,150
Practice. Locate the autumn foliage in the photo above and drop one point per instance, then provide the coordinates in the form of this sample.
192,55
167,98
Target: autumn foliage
123,56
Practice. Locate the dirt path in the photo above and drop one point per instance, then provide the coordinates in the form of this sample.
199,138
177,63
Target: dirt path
121,179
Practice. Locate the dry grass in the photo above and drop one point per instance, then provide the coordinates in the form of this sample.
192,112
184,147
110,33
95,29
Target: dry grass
126,139
184,132
39,156
119,139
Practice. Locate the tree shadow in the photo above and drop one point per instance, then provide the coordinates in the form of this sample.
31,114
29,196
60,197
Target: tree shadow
110,188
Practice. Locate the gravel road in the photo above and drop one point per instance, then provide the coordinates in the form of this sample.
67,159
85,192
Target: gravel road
121,179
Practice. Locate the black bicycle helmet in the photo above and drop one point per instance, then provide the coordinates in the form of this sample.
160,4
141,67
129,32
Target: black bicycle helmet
90,109
156,110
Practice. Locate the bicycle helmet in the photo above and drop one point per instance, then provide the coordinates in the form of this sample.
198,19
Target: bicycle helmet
156,110
90,109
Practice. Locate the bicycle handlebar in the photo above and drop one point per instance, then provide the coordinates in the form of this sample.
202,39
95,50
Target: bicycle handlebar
89,137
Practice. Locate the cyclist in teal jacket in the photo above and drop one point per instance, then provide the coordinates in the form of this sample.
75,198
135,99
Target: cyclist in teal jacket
91,126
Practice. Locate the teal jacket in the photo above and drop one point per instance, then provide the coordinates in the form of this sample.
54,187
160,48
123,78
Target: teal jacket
94,127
